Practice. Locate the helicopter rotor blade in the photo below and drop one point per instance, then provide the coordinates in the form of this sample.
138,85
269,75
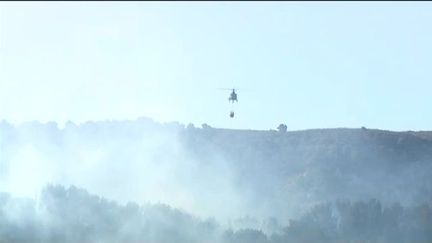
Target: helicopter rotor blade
229,89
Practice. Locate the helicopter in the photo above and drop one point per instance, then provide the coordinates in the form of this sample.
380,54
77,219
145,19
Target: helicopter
233,96
231,99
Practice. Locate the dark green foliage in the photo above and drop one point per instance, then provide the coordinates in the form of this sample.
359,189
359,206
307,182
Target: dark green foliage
74,215
361,222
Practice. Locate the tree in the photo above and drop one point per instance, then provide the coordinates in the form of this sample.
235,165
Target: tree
282,128
205,126
190,126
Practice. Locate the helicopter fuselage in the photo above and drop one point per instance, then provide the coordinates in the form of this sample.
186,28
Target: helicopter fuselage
233,97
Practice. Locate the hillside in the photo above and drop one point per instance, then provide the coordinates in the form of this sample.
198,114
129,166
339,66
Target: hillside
219,172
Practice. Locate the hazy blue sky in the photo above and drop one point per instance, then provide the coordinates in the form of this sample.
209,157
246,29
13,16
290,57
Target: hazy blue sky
305,64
